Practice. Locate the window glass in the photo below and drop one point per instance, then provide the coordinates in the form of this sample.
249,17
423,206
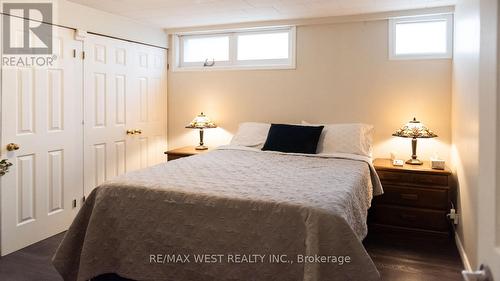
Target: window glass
249,48
199,49
426,37
421,37
263,46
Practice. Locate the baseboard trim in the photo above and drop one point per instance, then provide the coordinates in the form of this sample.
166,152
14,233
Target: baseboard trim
461,251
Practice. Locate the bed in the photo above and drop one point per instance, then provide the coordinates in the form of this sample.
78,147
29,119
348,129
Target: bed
252,215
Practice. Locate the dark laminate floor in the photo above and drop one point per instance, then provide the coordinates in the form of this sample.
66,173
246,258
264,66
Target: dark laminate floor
414,259
32,263
407,259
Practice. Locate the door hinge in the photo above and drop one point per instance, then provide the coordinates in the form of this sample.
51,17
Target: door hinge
168,66
74,203
83,55
74,53
83,199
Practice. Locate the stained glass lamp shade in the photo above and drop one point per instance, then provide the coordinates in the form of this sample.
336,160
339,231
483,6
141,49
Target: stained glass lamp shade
415,130
201,122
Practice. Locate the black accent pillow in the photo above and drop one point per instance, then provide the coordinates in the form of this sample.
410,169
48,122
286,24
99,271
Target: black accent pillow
293,138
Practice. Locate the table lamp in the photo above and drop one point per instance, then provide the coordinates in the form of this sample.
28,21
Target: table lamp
415,130
201,122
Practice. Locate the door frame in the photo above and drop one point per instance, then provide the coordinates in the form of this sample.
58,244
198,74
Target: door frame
1,122
489,140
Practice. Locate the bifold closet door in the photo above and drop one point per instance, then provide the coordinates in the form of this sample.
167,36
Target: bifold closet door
125,108
42,114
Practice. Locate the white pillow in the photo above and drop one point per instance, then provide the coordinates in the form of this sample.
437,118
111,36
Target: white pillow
346,138
251,134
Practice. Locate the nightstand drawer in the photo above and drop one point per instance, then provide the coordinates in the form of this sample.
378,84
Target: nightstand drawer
410,217
414,197
413,178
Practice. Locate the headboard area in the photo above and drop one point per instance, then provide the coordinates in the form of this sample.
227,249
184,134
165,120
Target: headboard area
343,75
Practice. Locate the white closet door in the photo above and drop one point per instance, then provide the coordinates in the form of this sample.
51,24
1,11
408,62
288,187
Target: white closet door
124,91
150,107
42,113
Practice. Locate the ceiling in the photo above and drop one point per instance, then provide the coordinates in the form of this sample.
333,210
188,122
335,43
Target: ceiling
184,13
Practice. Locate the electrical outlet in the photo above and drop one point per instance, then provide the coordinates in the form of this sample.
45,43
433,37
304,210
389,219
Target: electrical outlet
453,216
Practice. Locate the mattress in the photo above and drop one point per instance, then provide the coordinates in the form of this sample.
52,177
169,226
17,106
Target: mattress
231,214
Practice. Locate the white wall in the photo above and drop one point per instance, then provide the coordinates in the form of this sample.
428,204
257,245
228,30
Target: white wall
89,19
465,120
343,74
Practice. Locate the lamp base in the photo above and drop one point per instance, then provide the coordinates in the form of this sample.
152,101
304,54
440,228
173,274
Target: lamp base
201,147
414,162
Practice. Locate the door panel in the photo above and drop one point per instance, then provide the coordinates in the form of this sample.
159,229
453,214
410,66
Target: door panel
42,113
56,180
151,76
105,103
26,188
123,91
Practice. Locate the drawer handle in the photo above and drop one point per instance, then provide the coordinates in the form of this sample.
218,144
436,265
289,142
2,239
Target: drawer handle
408,217
407,196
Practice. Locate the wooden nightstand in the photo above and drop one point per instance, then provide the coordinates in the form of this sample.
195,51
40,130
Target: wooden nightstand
183,152
416,199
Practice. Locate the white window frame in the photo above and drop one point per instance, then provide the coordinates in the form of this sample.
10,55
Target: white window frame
183,64
234,63
449,37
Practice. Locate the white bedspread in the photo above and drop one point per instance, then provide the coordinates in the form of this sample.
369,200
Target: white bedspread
231,200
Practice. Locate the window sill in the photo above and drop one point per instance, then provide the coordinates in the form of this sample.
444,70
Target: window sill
232,67
421,57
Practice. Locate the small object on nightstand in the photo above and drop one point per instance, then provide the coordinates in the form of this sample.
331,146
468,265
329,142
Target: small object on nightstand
201,122
437,164
183,152
398,162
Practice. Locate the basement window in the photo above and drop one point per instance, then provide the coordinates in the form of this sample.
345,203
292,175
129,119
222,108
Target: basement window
426,37
196,49
257,48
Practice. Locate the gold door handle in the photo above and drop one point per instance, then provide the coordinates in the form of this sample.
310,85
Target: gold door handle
12,146
134,132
